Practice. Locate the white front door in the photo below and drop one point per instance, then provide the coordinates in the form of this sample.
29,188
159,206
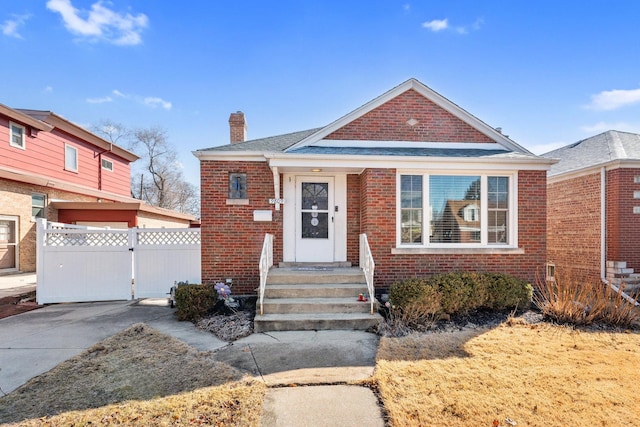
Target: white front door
315,220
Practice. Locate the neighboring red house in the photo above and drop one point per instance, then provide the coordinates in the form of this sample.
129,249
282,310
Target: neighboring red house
594,205
47,162
387,169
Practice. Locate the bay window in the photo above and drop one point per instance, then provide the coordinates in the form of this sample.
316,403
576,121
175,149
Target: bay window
438,210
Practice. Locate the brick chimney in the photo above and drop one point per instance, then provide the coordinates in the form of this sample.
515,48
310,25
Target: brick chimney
237,127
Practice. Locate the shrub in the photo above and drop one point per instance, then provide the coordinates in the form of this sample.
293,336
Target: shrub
568,300
460,293
407,291
506,291
195,301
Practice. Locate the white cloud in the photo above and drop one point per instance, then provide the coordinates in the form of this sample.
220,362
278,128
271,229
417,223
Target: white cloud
101,23
99,100
443,24
613,99
47,89
155,102
436,25
148,101
10,27
406,7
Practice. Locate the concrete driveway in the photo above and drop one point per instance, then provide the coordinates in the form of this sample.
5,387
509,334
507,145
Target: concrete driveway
34,342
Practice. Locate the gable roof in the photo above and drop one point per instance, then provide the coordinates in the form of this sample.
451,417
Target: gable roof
598,150
429,94
408,124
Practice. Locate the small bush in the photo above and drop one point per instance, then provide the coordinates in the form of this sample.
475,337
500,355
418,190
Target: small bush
572,301
506,292
461,293
195,301
407,291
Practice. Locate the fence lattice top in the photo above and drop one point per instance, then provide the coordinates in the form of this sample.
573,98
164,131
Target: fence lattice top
166,237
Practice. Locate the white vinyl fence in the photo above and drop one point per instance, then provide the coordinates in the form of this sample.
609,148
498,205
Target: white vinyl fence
80,264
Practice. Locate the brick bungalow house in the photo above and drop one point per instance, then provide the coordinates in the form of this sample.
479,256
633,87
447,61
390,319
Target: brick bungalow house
594,205
52,168
388,169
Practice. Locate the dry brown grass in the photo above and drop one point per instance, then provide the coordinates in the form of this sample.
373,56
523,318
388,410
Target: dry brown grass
536,375
138,377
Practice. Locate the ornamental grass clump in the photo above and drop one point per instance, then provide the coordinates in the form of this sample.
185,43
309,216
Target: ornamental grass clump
569,300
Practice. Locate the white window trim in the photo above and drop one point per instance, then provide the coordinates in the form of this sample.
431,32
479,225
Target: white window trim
105,168
483,246
75,149
33,218
24,139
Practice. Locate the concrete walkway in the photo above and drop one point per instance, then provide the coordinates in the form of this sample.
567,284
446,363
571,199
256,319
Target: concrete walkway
16,284
323,365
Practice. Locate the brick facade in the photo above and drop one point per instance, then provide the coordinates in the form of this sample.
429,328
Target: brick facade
574,223
231,239
623,226
378,220
15,200
573,247
388,122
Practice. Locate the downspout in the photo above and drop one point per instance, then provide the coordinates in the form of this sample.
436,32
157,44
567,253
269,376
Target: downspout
276,186
603,237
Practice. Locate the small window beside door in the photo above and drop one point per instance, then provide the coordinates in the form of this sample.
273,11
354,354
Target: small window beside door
38,206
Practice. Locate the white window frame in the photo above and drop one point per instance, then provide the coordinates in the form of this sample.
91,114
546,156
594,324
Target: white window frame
512,218
23,130
110,162
44,207
66,164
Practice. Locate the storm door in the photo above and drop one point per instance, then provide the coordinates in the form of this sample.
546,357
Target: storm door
314,219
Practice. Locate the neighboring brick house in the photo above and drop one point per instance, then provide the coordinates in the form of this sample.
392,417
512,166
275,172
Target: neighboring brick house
593,214
388,169
55,169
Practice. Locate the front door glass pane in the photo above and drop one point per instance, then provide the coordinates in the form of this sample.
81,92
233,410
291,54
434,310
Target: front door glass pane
315,210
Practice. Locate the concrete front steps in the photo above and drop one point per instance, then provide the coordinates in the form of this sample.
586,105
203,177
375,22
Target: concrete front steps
624,278
315,297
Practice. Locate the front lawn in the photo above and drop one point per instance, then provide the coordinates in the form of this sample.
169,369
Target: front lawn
532,375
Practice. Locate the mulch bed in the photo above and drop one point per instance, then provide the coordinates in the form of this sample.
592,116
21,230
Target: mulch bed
18,304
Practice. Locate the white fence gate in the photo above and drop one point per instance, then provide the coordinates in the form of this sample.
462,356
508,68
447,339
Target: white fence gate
79,264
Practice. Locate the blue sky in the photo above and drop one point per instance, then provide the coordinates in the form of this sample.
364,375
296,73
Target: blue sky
548,72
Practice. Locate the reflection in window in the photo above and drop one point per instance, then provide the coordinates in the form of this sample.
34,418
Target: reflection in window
315,210
38,203
411,208
498,200
455,204
237,185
